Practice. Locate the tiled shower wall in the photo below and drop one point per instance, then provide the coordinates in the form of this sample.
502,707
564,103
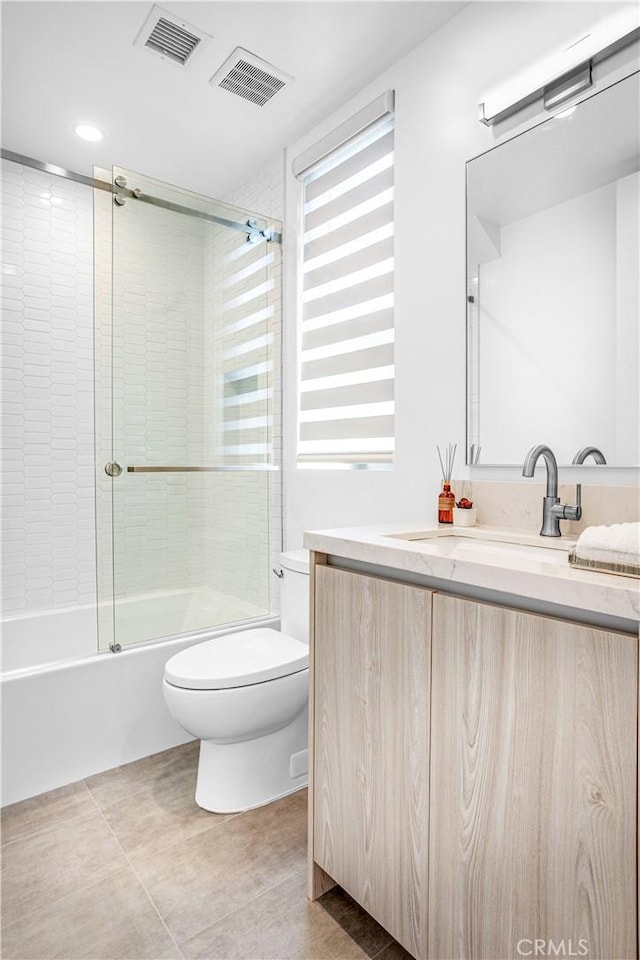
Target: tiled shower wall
169,529
176,280
265,192
47,375
240,283
158,305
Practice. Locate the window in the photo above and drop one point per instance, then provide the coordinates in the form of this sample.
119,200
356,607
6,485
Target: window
346,360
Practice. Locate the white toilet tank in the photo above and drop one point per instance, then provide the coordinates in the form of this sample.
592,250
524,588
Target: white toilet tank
294,594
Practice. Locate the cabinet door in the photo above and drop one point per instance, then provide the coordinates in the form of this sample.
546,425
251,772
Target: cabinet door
371,769
533,766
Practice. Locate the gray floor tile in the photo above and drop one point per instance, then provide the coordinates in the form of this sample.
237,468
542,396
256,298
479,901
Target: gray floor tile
159,815
121,782
45,810
110,920
46,866
228,888
200,881
282,924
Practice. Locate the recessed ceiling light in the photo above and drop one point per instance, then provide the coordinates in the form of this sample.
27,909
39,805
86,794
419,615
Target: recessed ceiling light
89,132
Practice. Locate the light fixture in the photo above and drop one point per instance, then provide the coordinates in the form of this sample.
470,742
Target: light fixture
89,131
567,87
567,112
565,73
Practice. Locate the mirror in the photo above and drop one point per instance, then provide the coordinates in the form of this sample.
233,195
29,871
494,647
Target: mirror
552,286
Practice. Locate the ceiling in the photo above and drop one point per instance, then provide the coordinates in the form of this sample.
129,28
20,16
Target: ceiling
70,62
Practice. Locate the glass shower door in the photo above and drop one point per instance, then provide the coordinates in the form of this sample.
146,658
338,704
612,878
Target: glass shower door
191,368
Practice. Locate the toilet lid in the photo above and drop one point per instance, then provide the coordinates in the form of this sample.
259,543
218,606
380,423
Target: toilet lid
237,660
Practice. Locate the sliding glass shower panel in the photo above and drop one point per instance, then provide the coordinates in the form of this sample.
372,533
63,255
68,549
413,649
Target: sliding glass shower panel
191,380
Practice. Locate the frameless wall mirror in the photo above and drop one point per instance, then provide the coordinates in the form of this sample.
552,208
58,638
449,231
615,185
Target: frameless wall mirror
552,286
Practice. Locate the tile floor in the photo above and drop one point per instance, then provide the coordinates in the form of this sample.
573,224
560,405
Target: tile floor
125,865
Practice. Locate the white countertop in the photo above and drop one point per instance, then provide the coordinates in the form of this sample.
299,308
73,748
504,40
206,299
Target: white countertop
533,567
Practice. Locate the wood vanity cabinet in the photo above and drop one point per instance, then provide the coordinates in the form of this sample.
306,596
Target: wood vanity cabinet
370,701
533,799
474,772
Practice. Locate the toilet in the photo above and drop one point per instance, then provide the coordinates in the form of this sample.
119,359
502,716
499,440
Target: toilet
244,696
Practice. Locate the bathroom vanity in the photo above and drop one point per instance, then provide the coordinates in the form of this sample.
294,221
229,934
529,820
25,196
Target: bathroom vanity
474,733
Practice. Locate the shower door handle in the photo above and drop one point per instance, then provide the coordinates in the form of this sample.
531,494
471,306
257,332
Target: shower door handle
112,469
236,468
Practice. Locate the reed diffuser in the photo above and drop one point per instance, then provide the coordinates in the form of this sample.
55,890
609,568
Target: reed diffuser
447,498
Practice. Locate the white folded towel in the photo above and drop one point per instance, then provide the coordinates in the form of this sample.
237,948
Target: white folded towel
618,543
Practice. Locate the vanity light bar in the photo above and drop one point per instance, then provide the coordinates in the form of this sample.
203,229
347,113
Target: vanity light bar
568,87
559,69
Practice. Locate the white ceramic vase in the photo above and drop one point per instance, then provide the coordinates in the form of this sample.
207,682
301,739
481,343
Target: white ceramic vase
464,518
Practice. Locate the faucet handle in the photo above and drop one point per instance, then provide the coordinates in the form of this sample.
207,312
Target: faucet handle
570,511
567,511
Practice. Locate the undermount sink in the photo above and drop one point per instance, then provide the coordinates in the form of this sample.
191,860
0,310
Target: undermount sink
473,542
470,547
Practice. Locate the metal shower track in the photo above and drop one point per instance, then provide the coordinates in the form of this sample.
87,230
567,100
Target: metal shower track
251,231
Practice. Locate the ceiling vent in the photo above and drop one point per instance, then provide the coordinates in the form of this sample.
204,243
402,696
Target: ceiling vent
250,77
170,37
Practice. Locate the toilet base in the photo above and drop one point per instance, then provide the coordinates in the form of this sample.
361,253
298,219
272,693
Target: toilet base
233,777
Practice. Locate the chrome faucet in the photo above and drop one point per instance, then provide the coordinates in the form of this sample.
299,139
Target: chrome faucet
594,452
580,458
552,510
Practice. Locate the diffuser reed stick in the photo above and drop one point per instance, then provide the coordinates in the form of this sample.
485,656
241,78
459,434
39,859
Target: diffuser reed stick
447,498
449,460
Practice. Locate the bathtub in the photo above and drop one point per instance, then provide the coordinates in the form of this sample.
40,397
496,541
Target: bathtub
69,711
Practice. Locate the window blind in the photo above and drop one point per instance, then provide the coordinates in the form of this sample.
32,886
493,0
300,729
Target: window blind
346,370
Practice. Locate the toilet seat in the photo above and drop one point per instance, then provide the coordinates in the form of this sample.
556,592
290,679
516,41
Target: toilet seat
237,660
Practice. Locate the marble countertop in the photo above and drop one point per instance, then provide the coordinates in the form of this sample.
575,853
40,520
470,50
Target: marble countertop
510,561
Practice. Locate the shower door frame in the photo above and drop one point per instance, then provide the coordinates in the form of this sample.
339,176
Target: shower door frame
106,191
257,230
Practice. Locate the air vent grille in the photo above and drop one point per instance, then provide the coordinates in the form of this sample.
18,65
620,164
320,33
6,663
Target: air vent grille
172,41
175,40
251,83
249,77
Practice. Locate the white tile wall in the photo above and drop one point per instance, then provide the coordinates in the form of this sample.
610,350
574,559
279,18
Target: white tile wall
174,280
157,354
47,377
239,336
102,212
265,192
174,277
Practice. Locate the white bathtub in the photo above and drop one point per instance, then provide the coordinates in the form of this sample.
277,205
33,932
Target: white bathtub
69,711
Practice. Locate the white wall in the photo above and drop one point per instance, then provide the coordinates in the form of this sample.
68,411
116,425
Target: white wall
438,87
47,376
